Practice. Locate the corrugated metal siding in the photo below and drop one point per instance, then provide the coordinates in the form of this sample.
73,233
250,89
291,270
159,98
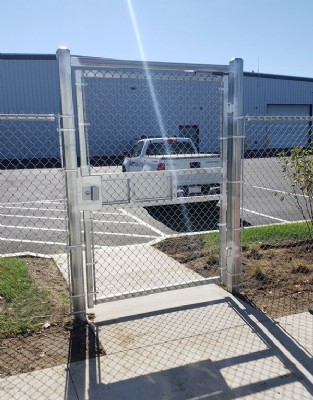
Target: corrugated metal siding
29,86
261,95
261,91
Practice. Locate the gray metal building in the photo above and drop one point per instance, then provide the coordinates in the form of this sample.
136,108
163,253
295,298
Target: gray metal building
29,84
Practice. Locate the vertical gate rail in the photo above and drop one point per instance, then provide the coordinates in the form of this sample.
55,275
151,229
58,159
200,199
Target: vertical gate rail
85,170
71,174
223,201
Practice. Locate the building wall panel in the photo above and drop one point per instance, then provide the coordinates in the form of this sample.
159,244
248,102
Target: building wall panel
29,84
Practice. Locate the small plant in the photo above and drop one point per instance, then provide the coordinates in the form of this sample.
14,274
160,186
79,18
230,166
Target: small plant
254,251
213,257
298,170
260,274
301,269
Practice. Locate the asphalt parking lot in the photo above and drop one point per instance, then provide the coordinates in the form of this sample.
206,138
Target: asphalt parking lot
33,216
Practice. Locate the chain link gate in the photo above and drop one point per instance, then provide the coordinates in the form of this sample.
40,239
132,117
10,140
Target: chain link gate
133,103
125,213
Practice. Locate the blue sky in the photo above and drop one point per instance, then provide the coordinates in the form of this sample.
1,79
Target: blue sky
272,36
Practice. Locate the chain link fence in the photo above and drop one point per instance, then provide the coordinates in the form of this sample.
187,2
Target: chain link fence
34,303
135,221
277,219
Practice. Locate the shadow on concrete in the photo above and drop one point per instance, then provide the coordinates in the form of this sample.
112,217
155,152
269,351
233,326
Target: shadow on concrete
195,362
85,349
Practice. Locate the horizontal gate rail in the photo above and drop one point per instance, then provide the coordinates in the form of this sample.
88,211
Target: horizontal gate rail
94,62
147,188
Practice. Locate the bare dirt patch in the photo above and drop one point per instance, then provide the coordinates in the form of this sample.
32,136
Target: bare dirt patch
277,279
56,342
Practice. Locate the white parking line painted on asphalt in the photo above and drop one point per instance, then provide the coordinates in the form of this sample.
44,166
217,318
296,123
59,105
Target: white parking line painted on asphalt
279,191
264,215
34,228
56,201
31,217
62,219
32,208
143,223
115,222
106,213
64,230
31,241
126,234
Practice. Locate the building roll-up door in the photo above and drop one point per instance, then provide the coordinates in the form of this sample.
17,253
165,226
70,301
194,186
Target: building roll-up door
288,134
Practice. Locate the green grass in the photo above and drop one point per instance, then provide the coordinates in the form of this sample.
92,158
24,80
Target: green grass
269,234
22,305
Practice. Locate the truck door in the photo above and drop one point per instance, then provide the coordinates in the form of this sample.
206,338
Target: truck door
135,163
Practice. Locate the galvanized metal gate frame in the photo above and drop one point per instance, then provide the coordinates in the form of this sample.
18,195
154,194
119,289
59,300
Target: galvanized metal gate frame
231,149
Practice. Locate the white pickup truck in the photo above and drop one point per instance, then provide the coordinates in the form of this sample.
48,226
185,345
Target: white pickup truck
196,174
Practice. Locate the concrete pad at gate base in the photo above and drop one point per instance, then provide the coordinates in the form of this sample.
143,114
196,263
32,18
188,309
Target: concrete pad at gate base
128,269
192,343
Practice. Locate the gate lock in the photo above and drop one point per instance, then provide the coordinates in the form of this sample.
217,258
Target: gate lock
89,193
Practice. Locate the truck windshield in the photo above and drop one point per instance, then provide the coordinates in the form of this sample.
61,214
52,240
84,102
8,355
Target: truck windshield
169,147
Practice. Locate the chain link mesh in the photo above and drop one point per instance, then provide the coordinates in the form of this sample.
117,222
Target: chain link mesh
277,218
34,303
137,249
120,108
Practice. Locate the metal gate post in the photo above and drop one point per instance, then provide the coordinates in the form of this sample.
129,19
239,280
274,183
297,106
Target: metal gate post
85,170
71,174
234,175
223,205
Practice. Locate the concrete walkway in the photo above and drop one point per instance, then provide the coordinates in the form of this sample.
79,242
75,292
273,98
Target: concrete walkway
124,270
193,343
